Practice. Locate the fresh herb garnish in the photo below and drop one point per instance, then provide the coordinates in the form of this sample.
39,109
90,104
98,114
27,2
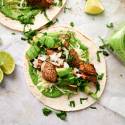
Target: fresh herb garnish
93,107
13,33
46,111
62,115
82,99
60,3
67,8
45,14
97,87
50,23
110,25
98,55
29,35
72,104
100,77
105,53
72,24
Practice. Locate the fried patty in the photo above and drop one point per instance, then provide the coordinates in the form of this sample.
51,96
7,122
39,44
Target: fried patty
49,72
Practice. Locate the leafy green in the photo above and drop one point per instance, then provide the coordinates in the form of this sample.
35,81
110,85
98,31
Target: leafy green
12,10
46,111
29,34
52,92
62,115
33,74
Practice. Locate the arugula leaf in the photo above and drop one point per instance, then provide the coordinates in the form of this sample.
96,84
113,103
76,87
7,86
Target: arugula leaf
62,115
46,111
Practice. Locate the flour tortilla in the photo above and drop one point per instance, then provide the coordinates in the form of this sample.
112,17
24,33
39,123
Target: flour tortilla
39,22
62,103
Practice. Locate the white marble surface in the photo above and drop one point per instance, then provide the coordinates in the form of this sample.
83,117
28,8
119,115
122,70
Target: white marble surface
19,107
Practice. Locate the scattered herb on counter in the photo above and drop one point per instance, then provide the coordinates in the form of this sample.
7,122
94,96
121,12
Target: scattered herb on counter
110,25
72,104
62,115
46,111
93,107
100,77
13,33
67,8
72,24
82,99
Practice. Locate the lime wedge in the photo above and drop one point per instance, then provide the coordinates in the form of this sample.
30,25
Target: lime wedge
94,7
7,63
1,76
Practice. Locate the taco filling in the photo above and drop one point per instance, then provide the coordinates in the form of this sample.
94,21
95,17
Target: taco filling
26,10
59,65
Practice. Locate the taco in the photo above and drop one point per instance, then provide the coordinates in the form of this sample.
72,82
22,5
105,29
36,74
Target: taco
33,14
62,69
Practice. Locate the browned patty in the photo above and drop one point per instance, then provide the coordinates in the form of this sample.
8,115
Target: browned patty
76,60
49,72
41,3
90,78
88,69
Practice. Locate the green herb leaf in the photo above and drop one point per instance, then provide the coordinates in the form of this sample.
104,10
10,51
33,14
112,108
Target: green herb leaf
72,24
62,115
72,104
46,111
67,8
110,25
100,77
93,107
29,34
98,55
82,99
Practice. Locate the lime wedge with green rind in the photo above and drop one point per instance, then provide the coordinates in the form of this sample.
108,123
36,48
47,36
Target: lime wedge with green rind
94,7
1,76
7,62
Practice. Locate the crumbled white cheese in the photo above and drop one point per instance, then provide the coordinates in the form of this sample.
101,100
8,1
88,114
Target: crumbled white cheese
54,57
78,75
76,70
35,63
43,57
